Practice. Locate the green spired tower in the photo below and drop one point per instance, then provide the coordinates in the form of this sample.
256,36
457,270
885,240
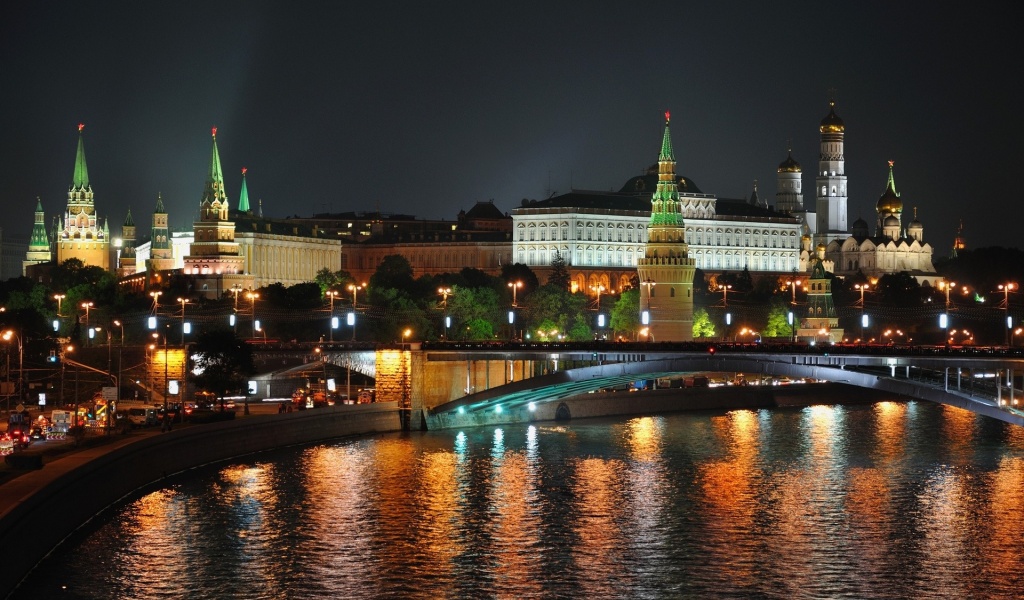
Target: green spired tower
39,243
214,258
666,270
243,198
821,324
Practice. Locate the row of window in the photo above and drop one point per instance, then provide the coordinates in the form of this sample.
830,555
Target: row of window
717,259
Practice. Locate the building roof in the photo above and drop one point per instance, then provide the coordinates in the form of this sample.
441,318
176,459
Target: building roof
485,210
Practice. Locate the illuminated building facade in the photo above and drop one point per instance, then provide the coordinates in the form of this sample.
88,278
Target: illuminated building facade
80,234
214,259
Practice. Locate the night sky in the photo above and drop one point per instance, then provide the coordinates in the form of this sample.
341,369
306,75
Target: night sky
427,108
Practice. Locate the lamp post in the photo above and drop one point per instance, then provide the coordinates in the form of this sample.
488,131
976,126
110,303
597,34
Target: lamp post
355,297
156,301
1006,288
183,302
58,298
597,292
645,310
253,297
862,287
331,295
355,293
87,306
167,417
945,323
793,284
405,336
444,291
515,285
725,293
7,335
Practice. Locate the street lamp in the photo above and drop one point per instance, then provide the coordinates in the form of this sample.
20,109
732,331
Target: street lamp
331,295
167,418
156,300
597,292
1006,288
793,284
253,297
58,298
87,306
355,293
444,291
405,335
862,287
725,293
183,302
515,285
944,318
7,335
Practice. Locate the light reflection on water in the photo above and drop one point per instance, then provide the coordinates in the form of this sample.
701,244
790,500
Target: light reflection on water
892,500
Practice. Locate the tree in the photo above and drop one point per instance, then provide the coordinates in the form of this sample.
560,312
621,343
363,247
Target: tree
559,276
625,316
223,361
703,327
778,322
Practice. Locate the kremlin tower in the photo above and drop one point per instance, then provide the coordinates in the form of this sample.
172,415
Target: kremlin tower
666,270
80,235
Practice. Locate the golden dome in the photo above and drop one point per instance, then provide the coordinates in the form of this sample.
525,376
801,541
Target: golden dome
790,166
832,123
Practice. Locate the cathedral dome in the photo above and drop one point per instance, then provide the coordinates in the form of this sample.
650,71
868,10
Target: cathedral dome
891,221
889,203
790,166
832,123
860,228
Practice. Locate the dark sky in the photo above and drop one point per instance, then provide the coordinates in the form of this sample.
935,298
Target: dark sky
425,108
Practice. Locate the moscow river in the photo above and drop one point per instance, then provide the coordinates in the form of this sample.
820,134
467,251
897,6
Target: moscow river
890,500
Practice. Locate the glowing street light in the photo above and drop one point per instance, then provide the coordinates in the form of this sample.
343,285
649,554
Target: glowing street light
793,284
355,293
724,288
87,306
444,291
597,289
183,302
331,295
58,298
253,297
1006,288
515,285
7,336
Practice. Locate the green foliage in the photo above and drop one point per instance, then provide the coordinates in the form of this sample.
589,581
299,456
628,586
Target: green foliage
778,322
326,279
559,276
625,315
555,308
478,329
703,327
394,272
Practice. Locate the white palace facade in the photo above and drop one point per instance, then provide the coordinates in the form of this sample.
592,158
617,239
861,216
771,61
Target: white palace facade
601,235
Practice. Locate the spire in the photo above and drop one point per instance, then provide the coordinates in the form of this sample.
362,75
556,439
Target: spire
261,207
81,179
128,222
892,182
39,239
243,198
665,201
214,191
159,204
666,142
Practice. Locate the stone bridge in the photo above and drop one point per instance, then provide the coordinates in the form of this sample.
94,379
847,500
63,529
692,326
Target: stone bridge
451,384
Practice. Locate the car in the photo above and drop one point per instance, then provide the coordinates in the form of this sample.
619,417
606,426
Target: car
20,435
37,433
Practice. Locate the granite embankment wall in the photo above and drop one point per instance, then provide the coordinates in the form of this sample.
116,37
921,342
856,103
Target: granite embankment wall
36,524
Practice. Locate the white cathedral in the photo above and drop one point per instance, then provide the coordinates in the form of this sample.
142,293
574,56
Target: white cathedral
892,248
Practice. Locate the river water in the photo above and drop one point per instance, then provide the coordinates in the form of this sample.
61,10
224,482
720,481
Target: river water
890,500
